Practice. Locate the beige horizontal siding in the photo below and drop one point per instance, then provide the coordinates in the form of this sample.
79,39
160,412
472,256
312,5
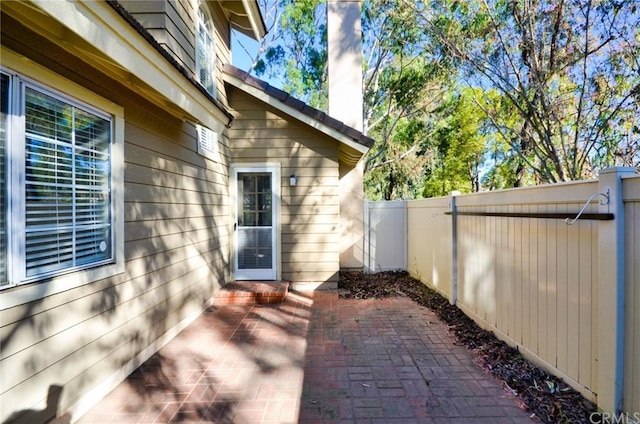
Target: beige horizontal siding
309,201
139,211
308,248
273,136
317,209
276,153
170,23
165,157
177,253
310,211
310,276
308,219
300,239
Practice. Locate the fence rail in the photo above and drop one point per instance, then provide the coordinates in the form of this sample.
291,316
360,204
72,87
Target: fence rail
567,295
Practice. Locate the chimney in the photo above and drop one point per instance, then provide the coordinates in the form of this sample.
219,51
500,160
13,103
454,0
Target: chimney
344,37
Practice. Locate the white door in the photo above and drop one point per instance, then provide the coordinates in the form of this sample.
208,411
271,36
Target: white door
255,230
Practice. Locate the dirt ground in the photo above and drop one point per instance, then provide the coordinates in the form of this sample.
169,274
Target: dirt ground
546,396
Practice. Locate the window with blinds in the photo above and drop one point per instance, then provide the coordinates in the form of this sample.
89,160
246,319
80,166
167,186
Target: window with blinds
205,53
64,216
66,185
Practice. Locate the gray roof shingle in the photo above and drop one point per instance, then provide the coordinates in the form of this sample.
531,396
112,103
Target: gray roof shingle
305,109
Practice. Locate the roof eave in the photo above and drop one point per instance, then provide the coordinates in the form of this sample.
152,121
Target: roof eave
246,17
298,110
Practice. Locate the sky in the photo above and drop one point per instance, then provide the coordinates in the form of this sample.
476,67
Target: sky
243,52
239,56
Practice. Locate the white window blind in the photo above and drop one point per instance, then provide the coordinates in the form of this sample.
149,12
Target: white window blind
55,161
67,186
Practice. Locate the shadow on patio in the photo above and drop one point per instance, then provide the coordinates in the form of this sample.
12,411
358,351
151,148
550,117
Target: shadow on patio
231,365
313,358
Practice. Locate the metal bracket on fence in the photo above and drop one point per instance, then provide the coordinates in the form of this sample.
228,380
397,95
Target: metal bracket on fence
603,201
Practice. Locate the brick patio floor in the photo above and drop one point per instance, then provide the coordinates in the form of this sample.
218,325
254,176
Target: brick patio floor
313,359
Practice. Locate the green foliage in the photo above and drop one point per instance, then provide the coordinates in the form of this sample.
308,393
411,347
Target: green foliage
458,142
569,71
399,170
479,94
402,84
300,59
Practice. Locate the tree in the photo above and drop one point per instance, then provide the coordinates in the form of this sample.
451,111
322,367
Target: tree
568,69
556,88
401,83
296,51
459,143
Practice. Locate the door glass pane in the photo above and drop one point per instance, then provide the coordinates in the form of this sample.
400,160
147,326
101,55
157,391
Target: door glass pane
255,234
264,219
249,183
264,202
264,183
255,192
248,202
4,106
249,219
254,248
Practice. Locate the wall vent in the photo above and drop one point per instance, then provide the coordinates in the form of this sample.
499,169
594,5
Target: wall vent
207,142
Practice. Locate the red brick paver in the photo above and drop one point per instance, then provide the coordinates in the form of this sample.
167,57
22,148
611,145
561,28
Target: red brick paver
312,359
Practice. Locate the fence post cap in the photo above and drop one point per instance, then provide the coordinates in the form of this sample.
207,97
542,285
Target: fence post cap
617,169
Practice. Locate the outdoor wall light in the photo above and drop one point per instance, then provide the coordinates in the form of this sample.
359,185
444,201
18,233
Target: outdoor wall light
293,180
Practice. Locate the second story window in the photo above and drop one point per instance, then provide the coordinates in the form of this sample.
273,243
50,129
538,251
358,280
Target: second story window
205,51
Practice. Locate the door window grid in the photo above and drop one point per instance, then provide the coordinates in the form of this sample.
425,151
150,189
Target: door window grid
255,216
256,200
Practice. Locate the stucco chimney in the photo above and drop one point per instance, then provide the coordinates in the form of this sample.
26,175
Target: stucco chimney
344,37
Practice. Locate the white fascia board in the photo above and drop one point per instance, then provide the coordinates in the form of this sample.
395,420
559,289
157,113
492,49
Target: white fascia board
101,26
255,18
294,113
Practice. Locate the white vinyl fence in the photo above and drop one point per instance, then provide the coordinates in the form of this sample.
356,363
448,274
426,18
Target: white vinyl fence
385,247
565,292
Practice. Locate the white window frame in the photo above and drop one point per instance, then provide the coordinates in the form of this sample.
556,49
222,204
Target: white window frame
20,288
204,23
